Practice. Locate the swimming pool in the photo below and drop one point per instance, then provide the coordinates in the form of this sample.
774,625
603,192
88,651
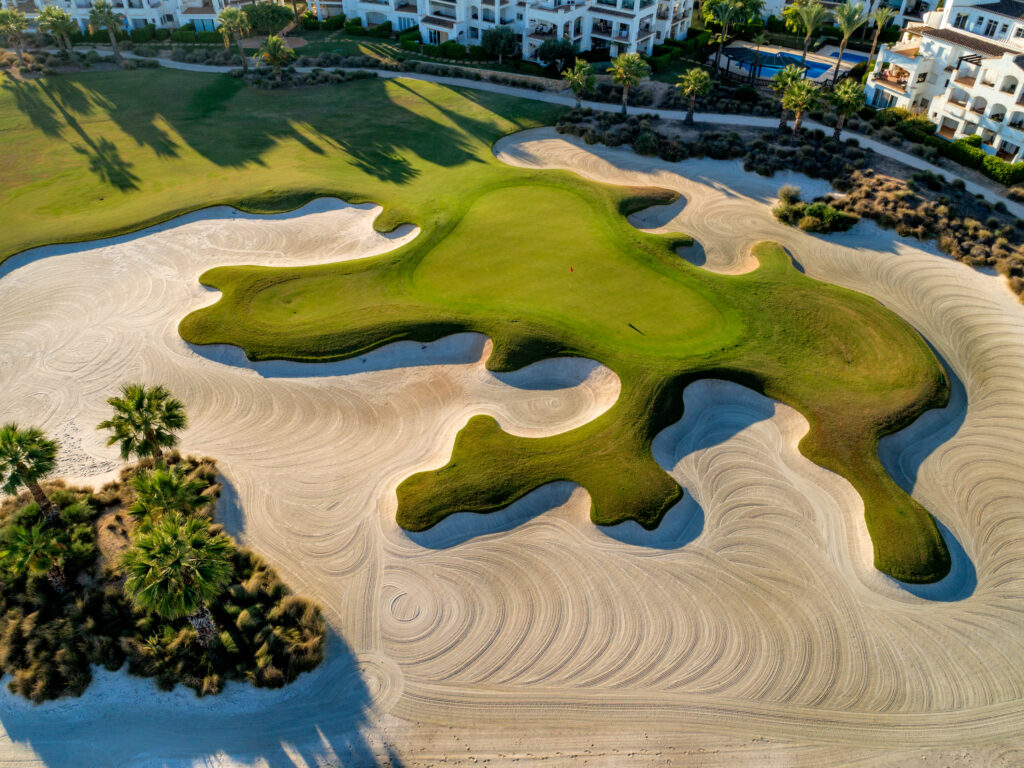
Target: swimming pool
768,64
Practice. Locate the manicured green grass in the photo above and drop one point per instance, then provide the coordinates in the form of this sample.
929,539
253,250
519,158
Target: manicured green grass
105,153
494,256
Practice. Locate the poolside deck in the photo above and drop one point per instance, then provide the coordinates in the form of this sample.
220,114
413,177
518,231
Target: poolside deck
820,59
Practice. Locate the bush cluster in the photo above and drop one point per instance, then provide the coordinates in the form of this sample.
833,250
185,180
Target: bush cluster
818,216
264,77
50,641
220,56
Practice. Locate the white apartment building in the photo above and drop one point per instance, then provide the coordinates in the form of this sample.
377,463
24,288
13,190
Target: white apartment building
137,13
907,11
620,26
963,66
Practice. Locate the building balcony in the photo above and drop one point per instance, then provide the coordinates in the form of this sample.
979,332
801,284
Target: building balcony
947,133
965,81
898,84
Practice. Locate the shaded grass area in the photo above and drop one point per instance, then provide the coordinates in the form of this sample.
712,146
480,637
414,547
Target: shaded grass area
101,154
49,642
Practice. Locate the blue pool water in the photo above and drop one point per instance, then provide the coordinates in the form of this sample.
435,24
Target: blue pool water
855,58
768,70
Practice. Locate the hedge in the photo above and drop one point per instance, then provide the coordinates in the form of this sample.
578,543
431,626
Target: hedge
408,44
308,20
354,26
412,33
381,30
143,35
452,49
334,22
660,63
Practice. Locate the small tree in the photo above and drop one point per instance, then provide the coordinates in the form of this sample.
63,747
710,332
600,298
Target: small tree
812,17
160,490
275,53
12,26
145,421
103,16
847,98
176,567
802,96
499,42
882,17
782,79
627,70
556,52
759,39
267,18
26,457
57,23
725,14
849,18
34,552
791,16
581,79
234,25
693,83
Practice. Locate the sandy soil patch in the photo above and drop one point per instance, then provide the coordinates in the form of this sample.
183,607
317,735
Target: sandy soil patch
750,628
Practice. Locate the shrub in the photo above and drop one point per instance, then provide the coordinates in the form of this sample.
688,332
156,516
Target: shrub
789,194
308,20
334,22
143,35
408,44
381,30
647,143
354,26
452,49
163,34
267,18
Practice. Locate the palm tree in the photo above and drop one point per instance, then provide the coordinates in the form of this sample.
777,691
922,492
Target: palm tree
849,18
627,70
693,83
802,96
58,24
781,81
12,26
234,25
103,16
275,53
145,421
34,552
759,39
160,490
580,79
27,456
812,17
882,16
847,99
726,14
176,567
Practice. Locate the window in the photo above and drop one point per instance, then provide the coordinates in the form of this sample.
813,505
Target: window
474,33
1018,32
519,17
1002,29
961,21
922,77
990,28
434,37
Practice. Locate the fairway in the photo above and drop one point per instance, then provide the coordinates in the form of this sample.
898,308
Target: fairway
542,262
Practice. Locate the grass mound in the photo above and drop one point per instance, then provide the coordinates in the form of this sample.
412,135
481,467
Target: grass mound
49,641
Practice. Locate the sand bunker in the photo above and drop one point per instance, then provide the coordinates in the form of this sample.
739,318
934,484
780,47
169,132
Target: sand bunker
749,627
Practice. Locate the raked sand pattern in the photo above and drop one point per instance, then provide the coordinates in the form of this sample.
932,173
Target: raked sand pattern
749,628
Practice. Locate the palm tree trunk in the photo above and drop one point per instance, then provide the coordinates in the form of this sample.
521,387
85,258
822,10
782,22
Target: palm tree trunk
202,623
798,117
693,102
158,452
842,50
57,579
67,43
579,100
782,120
45,505
241,52
113,44
625,97
864,29
874,44
21,55
839,126
807,44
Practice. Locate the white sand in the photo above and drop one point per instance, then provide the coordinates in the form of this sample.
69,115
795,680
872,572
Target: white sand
750,628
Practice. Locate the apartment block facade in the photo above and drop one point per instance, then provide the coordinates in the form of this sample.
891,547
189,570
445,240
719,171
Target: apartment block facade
963,66
137,13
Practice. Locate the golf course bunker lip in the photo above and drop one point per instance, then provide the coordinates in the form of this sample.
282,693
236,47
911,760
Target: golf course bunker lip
331,230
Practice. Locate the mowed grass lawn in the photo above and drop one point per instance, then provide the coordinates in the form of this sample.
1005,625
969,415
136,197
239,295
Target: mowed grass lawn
542,262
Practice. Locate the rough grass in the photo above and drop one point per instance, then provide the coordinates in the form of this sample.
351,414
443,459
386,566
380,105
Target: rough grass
99,154
50,642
